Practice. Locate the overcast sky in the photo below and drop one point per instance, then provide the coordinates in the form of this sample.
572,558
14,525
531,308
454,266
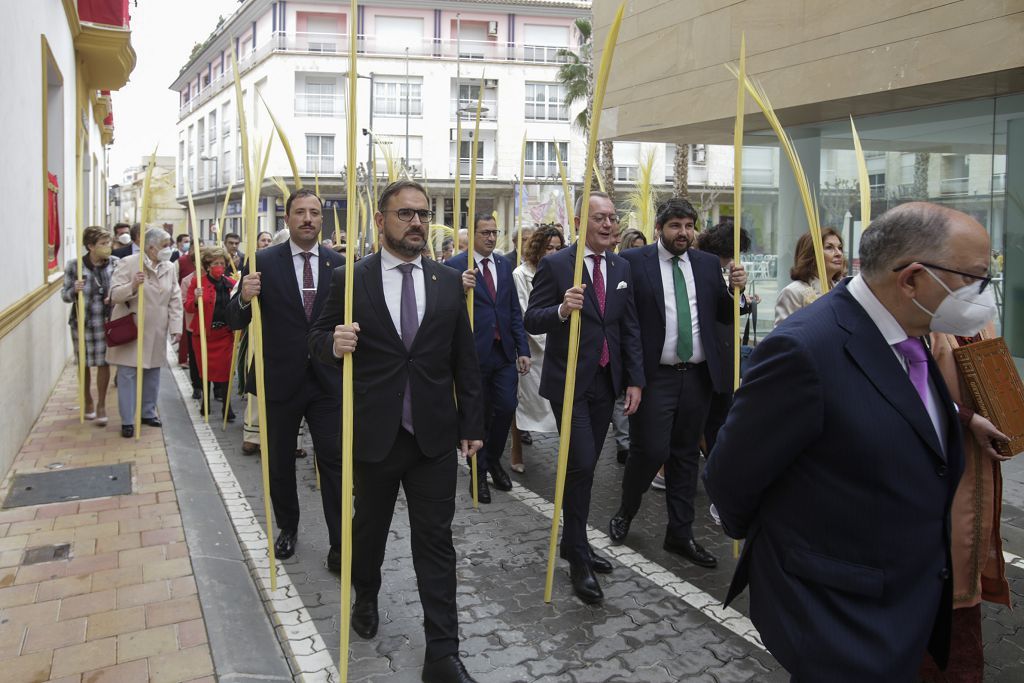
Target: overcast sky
145,110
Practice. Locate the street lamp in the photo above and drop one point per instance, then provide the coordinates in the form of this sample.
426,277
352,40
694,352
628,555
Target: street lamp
216,181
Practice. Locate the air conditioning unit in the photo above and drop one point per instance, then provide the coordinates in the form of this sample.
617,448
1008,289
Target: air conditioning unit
490,83
492,28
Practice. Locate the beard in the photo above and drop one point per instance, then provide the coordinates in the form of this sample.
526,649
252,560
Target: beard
673,249
403,246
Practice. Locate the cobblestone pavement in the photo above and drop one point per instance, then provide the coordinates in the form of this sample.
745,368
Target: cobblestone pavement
643,632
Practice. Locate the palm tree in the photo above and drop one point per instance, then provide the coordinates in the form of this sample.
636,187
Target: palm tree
577,75
681,171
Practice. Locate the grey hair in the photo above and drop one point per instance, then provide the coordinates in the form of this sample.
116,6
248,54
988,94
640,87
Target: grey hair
155,236
917,231
579,201
280,236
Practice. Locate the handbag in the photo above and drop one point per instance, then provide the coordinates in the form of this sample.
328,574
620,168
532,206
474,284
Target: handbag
120,331
746,349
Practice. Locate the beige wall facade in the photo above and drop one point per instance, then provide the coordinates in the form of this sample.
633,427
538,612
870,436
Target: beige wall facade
818,60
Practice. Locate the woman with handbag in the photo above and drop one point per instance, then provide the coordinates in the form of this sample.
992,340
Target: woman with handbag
215,291
98,267
159,277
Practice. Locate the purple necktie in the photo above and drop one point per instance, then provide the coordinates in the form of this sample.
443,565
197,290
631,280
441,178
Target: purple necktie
917,365
308,290
601,295
410,324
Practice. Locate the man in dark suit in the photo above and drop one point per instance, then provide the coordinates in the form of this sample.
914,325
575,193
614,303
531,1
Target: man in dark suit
132,247
609,361
292,280
416,398
680,295
841,455
501,346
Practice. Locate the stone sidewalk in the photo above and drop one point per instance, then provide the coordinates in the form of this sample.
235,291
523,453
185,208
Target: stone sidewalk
124,605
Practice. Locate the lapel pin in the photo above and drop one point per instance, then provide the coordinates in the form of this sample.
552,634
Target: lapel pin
433,277
328,264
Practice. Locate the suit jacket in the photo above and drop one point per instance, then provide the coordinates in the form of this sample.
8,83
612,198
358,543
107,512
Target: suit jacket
285,327
440,368
122,252
831,468
618,324
505,312
714,305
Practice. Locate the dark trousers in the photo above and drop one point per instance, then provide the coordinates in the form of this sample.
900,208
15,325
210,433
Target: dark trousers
193,366
591,415
666,430
429,485
718,410
500,381
323,415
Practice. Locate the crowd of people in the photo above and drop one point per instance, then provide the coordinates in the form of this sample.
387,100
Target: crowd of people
839,460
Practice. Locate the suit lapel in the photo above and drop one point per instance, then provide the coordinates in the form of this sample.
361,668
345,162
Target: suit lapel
431,294
876,360
290,281
652,270
373,281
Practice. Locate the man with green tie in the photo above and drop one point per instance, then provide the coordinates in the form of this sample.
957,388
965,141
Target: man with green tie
680,295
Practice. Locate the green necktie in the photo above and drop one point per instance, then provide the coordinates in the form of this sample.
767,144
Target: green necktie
684,343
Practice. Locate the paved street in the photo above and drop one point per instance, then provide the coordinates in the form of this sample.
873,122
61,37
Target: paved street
661,619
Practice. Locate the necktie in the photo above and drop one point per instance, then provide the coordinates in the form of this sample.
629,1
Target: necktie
410,322
599,292
684,324
917,365
489,283
308,291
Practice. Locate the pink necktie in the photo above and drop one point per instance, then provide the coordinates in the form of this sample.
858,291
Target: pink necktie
598,279
917,365
308,292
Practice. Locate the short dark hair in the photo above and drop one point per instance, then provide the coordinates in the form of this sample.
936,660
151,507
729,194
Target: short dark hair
302,192
135,231
182,236
118,226
261,233
718,240
93,234
396,187
676,207
232,235
483,216
805,264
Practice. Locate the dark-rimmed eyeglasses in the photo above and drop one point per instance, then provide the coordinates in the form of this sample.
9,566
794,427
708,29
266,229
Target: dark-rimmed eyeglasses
425,215
600,218
983,280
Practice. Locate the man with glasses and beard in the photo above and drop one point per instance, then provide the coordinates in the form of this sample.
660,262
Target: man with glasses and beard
416,399
291,281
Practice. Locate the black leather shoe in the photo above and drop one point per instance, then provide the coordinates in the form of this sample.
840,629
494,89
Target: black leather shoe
500,477
284,546
448,669
365,618
152,421
584,583
483,492
599,564
334,559
525,438
127,431
622,455
691,550
618,527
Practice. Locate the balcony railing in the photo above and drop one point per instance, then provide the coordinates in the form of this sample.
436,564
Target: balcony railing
953,186
323,164
489,112
310,104
485,168
759,176
547,170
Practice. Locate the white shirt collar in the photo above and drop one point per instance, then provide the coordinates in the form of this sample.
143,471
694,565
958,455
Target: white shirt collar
587,251
296,249
478,257
879,314
389,261
666,255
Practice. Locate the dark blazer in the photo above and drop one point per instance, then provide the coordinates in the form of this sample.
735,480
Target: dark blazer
506,310
442,357
714,305
830,467
618,325
284,322
122,252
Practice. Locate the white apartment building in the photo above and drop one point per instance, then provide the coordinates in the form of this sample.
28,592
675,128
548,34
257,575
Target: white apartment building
419,67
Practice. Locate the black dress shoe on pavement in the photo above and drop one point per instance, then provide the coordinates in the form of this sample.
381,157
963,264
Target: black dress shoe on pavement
525,438
599,564
448,669
127,431
483,492
284,546
152,421
622,455
618,527
691,550
365,618
334,559
584,583
502,481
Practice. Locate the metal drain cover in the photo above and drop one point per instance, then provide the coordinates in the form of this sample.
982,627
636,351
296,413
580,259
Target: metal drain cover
61,486
47,553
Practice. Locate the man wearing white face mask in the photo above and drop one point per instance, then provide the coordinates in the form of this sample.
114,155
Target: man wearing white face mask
842,452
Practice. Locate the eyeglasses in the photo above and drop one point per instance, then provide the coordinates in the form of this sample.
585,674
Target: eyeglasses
600,218
983,280
425,215
487,233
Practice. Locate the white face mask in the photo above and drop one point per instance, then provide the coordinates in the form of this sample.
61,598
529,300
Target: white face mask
124,238
185,246
164,254
964,312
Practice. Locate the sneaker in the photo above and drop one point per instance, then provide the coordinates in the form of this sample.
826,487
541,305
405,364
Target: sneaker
659,483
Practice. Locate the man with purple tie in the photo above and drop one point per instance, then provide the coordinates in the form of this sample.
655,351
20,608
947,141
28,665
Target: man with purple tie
840,458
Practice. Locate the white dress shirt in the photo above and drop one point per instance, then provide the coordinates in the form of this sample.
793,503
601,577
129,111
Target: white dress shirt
392,278
299,263
894,334
587,251
668,287
478,260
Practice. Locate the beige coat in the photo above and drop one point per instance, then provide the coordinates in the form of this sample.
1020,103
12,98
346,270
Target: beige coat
795,296
163,310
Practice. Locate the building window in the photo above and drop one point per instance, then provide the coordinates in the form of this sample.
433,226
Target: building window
225,119
52,114
698,155
395,34
466,157
212,128
876,181
225,173
542,160
319,99
546,102
390,95
541,43
626,173
320,154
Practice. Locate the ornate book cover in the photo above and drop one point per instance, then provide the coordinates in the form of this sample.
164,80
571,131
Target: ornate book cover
992,379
